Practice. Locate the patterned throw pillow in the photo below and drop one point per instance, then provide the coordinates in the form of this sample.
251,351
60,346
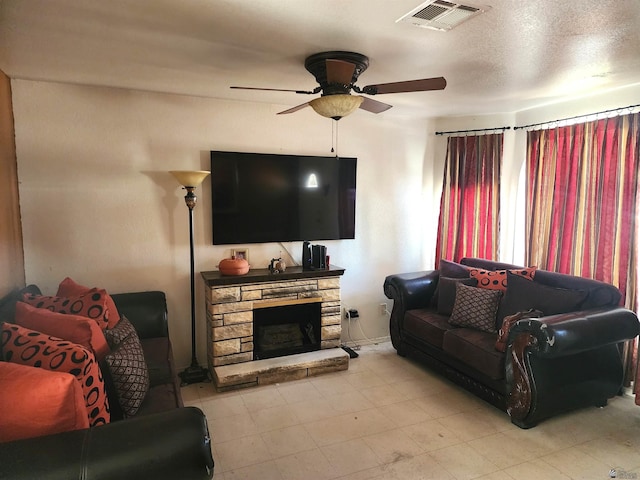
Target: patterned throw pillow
122,330
28,347
92,305
127,367
497,279
447,292
475,308
69,288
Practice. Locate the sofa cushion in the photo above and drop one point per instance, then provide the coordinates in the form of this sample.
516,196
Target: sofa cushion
157,354
497,279
475,308
28,347
450,269
522,295
447,292
475,349
161,398
129,374
92,305
75,328
427,325
601,294
36,402
69,288
472,262
164,393
9,302
117,334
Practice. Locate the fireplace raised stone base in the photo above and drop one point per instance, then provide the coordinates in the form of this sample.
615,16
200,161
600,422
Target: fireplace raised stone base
230,304
280,369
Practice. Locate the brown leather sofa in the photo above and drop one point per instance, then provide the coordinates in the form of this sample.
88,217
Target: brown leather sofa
567,358
163,439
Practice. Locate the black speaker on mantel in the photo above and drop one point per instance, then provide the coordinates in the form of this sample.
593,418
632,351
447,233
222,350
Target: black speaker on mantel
314,257
319,256
306,256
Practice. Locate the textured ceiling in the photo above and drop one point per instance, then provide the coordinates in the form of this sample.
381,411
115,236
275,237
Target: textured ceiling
518,55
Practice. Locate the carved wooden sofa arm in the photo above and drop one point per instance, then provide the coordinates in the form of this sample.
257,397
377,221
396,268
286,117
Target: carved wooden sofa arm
565,361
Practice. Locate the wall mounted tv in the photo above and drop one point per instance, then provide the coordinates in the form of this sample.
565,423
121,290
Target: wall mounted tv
258,198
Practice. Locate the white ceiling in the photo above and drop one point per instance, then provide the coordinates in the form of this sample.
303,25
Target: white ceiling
518,55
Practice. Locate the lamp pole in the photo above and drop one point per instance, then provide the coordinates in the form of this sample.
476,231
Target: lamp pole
194,373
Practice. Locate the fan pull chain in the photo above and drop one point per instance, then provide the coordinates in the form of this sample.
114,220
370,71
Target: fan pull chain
334,137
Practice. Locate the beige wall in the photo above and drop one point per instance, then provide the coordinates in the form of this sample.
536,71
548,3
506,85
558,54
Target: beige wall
98,204
11,257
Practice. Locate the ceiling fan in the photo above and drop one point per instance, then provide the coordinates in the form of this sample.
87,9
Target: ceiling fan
336,73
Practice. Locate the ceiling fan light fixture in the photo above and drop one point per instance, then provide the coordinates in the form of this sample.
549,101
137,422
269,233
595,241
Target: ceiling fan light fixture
336,106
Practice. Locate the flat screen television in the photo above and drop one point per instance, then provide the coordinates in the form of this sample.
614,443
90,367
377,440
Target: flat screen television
259,197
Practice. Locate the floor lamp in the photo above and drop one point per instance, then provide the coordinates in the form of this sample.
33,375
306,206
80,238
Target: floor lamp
190,180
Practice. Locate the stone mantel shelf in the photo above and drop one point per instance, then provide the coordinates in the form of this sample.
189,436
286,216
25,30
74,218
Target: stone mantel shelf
215,278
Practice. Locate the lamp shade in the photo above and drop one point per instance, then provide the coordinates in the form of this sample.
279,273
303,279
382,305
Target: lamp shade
190,178
336,106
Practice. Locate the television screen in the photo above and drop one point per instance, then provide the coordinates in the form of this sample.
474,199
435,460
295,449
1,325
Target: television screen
258,198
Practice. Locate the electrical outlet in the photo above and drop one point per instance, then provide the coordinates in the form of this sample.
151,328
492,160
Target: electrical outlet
383,309
351,313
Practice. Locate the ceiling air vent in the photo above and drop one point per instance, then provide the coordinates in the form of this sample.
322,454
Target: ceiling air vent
441,15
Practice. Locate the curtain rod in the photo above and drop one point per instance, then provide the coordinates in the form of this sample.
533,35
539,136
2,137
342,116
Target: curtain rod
476,130
617,110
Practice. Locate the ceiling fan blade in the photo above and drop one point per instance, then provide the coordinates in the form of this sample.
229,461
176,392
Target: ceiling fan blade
294,109
374,106
339,71
437,83
274,90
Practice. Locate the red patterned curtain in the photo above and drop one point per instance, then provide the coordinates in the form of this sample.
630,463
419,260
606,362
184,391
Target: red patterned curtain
470,202
582,202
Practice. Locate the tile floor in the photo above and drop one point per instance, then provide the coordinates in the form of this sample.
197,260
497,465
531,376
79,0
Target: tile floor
390,418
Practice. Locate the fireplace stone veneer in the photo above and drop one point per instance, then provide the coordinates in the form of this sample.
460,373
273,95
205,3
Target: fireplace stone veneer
230,304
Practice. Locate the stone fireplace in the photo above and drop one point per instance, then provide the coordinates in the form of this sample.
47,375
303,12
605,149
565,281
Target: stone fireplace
298,314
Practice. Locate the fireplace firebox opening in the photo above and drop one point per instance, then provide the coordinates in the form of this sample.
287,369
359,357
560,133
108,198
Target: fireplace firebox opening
286,328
